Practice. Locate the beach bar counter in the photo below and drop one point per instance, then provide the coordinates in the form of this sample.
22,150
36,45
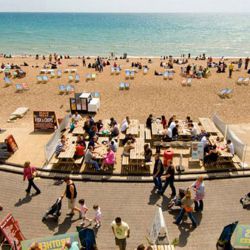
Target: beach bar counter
84,103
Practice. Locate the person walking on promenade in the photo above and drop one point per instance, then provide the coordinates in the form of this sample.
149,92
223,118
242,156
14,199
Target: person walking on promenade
121,232
168,175
246,63
186,207
158,171
29,173
199,188
71,195
231,68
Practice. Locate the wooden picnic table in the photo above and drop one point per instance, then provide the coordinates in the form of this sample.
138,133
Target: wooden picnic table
101,149
208,125
67,156
137,154
156,128
78,130
133,128
221,147
185,131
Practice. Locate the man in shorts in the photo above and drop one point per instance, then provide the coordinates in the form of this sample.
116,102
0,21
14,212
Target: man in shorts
121,232
71,195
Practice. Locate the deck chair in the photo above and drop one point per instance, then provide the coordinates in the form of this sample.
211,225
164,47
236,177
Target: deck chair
70,89
45,79
117,71
43,71
229,93
77,78
127,74
171,75
222,93
240,80
25,86
52,74
73,71
59,73
93,76
165,75
126,86
88,77
66,70
184,82
112,72
189,82
70,78
246,81
132,74
145,71
7,82
122,86
39,79
62,89
19,87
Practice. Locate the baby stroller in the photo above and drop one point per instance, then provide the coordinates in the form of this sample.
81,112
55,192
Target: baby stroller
176,201
87,238
54,210
245,201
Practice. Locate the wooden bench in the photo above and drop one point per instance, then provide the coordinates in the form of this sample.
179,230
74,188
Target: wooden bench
125,160
79,161
147,134
236,159
141,131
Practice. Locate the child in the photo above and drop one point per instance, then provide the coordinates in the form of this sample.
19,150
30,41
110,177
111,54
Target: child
83,210
98,215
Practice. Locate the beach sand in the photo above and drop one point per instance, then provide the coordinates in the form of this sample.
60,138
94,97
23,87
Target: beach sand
147,94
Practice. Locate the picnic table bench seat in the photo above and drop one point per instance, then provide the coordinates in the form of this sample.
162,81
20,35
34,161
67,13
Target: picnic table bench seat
125,160
147,134
141,131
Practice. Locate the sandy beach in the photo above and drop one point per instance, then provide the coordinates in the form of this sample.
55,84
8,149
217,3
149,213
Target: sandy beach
147,94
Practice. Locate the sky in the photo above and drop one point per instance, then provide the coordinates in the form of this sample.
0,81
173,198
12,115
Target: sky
125,5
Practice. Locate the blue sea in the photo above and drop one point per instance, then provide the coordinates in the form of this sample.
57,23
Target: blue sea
134,34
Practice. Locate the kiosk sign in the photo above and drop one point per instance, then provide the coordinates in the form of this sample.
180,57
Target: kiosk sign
10,229
44,120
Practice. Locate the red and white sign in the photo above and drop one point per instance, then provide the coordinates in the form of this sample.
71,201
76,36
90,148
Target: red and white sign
10,229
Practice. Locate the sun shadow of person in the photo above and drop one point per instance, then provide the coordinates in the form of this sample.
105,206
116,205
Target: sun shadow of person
24,200
165,202
154,197
65,225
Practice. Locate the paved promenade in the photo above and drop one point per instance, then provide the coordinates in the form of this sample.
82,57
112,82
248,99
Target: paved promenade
133,202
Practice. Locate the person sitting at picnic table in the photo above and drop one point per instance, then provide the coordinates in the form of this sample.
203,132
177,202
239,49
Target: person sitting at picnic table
92,132
149,122
113,145
99,125
126,150
125,125
128,137
93,142
90,159
163,121
108,159
86,127
81,140
76,117
172,118
79,151
230,147
112,122
188,119
147,153
212,155
175,132
193,131
72,126
114,131
60,147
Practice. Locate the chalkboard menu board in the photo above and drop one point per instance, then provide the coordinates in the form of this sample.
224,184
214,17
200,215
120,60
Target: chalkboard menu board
44,120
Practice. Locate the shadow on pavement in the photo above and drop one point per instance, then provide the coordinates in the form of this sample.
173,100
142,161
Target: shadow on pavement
65,225
24,200
165,201
154,197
